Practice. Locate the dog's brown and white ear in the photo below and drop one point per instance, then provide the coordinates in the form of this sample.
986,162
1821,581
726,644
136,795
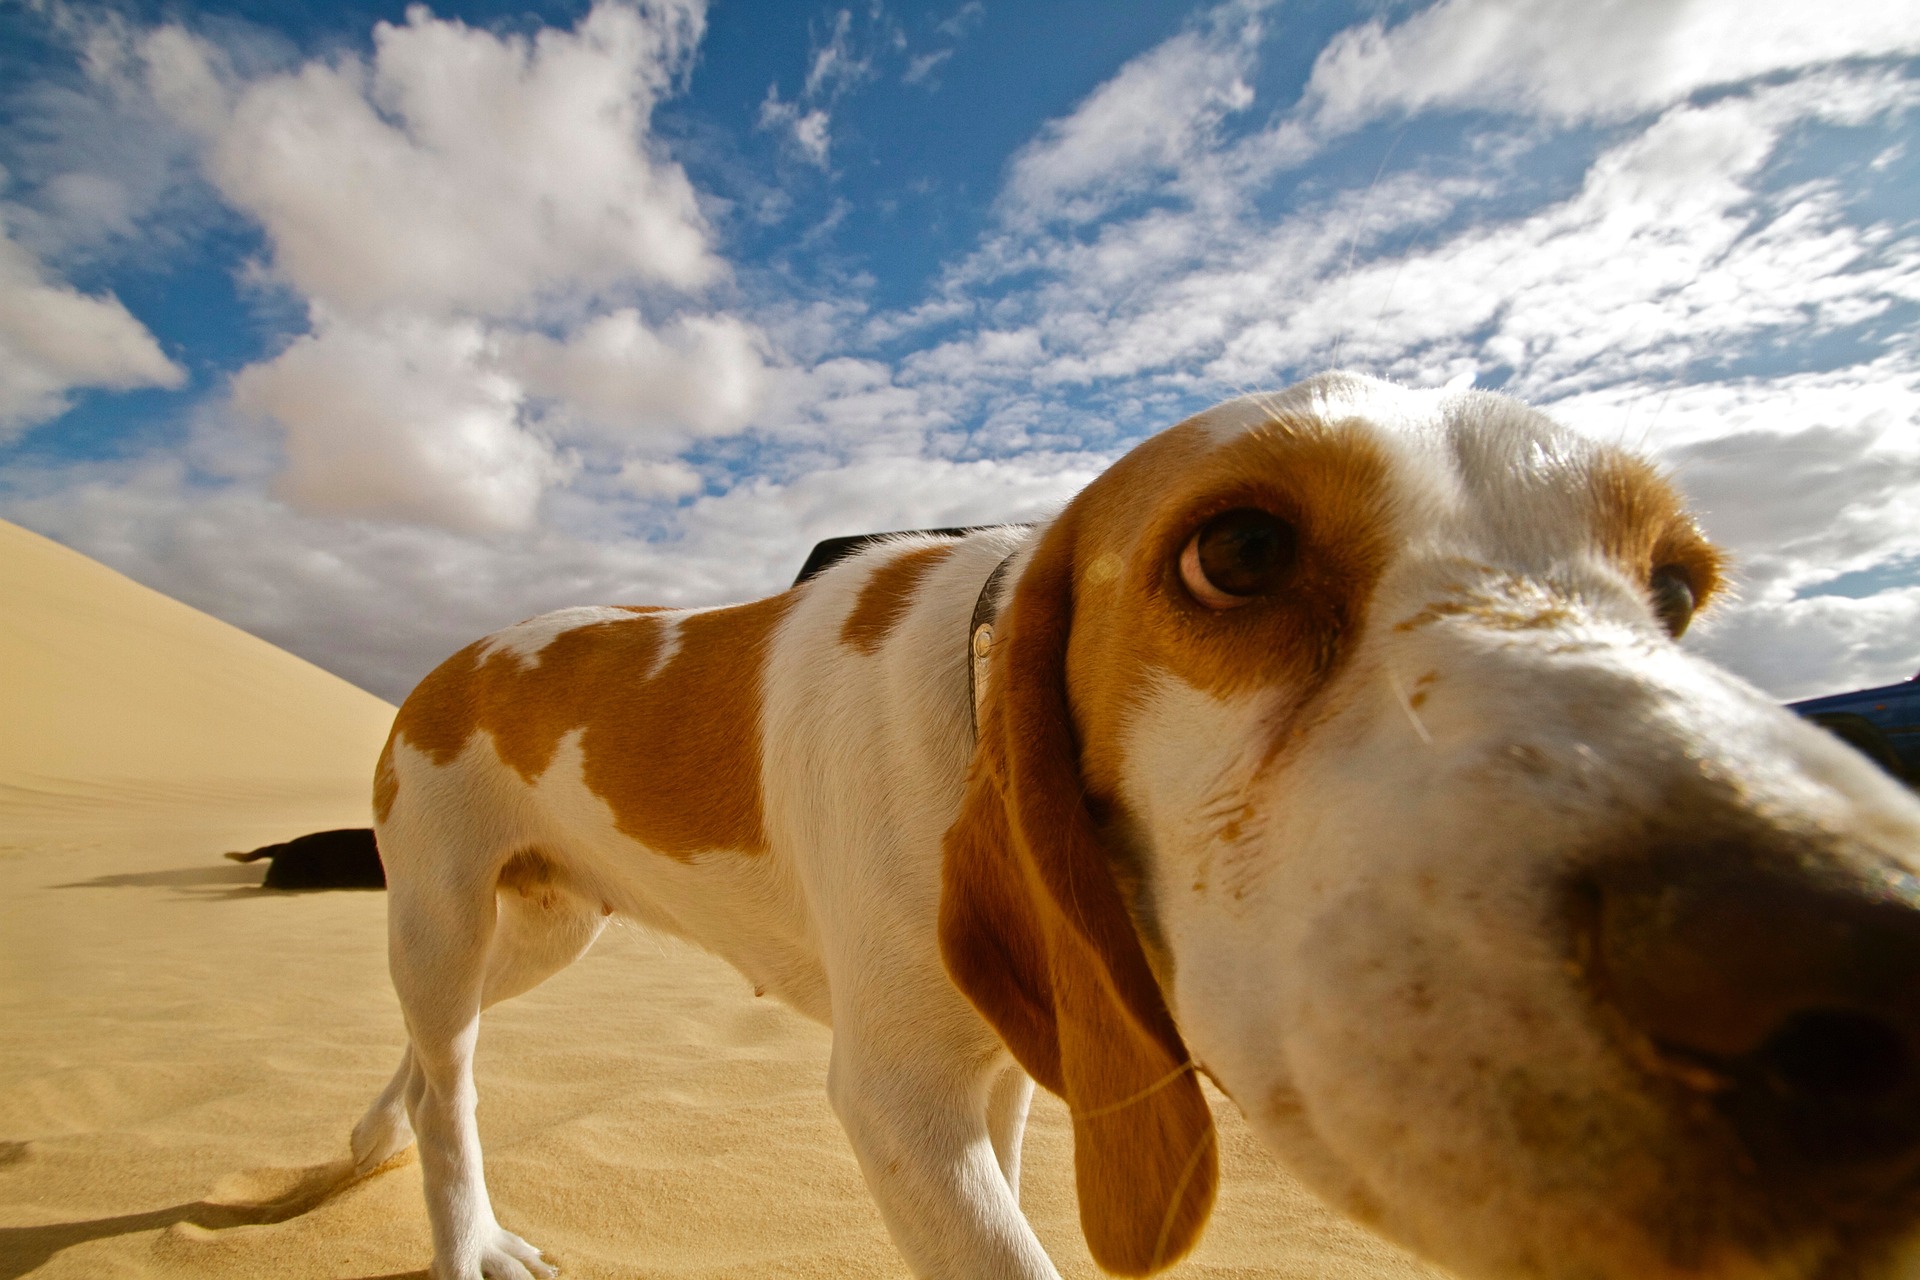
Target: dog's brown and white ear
1034,931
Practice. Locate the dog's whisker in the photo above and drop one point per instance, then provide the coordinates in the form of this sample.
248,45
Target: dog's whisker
1406,705
1353,242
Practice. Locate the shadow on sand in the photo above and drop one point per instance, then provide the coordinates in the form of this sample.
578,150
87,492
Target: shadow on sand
257,1198
225,875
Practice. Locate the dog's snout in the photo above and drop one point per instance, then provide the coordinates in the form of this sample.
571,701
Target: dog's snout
1787,992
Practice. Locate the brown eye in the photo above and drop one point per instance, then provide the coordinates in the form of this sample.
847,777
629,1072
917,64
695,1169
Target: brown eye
1672,595
1238,556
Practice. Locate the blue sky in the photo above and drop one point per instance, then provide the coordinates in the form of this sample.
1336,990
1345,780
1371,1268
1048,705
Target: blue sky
370,329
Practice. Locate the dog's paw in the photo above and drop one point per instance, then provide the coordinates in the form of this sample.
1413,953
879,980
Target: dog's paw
508,1257
379,1138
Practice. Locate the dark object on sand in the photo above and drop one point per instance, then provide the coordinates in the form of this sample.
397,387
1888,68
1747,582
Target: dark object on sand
343,859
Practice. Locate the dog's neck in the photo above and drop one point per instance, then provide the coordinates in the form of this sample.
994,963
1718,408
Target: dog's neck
986,611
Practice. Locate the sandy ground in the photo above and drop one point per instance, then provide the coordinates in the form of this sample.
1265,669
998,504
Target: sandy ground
184,1052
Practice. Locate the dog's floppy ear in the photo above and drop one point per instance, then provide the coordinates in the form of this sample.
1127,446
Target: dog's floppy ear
1034,931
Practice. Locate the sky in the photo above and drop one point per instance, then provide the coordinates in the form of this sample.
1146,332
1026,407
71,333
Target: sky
371,328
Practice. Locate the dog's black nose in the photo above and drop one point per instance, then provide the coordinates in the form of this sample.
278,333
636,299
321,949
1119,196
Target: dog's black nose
1787,992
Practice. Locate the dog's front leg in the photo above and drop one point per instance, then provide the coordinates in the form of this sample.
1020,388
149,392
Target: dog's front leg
915,1095
1007,1104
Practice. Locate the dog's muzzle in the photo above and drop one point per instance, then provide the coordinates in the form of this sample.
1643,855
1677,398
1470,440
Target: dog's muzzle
1781,988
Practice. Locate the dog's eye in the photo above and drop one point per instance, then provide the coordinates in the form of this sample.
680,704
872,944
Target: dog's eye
1238,556
1673,599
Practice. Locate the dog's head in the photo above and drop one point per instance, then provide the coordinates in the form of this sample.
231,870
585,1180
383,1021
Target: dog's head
1337,745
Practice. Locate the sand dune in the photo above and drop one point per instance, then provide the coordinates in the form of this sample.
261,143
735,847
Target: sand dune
117,695
185,1052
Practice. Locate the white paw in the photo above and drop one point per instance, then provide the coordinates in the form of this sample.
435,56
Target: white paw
508,1257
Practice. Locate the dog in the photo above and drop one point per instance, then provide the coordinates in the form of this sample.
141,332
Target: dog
346,858
1333,744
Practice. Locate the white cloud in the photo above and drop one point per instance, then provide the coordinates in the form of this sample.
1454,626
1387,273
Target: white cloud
650,479
963,20
382,603
1881,396
809,130
841,408
465,423
835,67
1804,648
1666,256
405,420
458,170
1679,250
97,173
471,218
921,68
55,339
956,26
1672,251
700,375
1802,504
883,493
1597,59
191,80
1155,116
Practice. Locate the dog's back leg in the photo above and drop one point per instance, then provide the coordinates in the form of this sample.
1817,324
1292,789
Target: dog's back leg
464,932
542,927
384,1132
534,937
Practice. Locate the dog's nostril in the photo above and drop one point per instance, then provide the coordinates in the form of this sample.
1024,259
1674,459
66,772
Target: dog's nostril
1835,1056
1789,998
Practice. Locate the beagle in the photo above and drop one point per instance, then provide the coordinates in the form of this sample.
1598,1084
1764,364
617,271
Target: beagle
1333,744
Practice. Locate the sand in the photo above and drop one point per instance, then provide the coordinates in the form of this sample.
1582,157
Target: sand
184,1052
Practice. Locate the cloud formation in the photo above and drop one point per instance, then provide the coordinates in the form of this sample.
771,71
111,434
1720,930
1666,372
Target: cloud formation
1159,114
55,340
539,366
1601,59
457,170
405,419
471,219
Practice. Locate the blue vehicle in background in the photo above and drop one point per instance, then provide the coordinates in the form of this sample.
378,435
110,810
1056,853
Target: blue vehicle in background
1882,723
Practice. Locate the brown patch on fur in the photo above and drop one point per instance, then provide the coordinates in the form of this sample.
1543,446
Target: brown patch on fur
1643,525
1328,481
884,599
386,783
675,756
703,793
532,875
1506,602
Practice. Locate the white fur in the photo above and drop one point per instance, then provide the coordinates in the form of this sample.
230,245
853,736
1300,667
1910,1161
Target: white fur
1382,858
528,640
